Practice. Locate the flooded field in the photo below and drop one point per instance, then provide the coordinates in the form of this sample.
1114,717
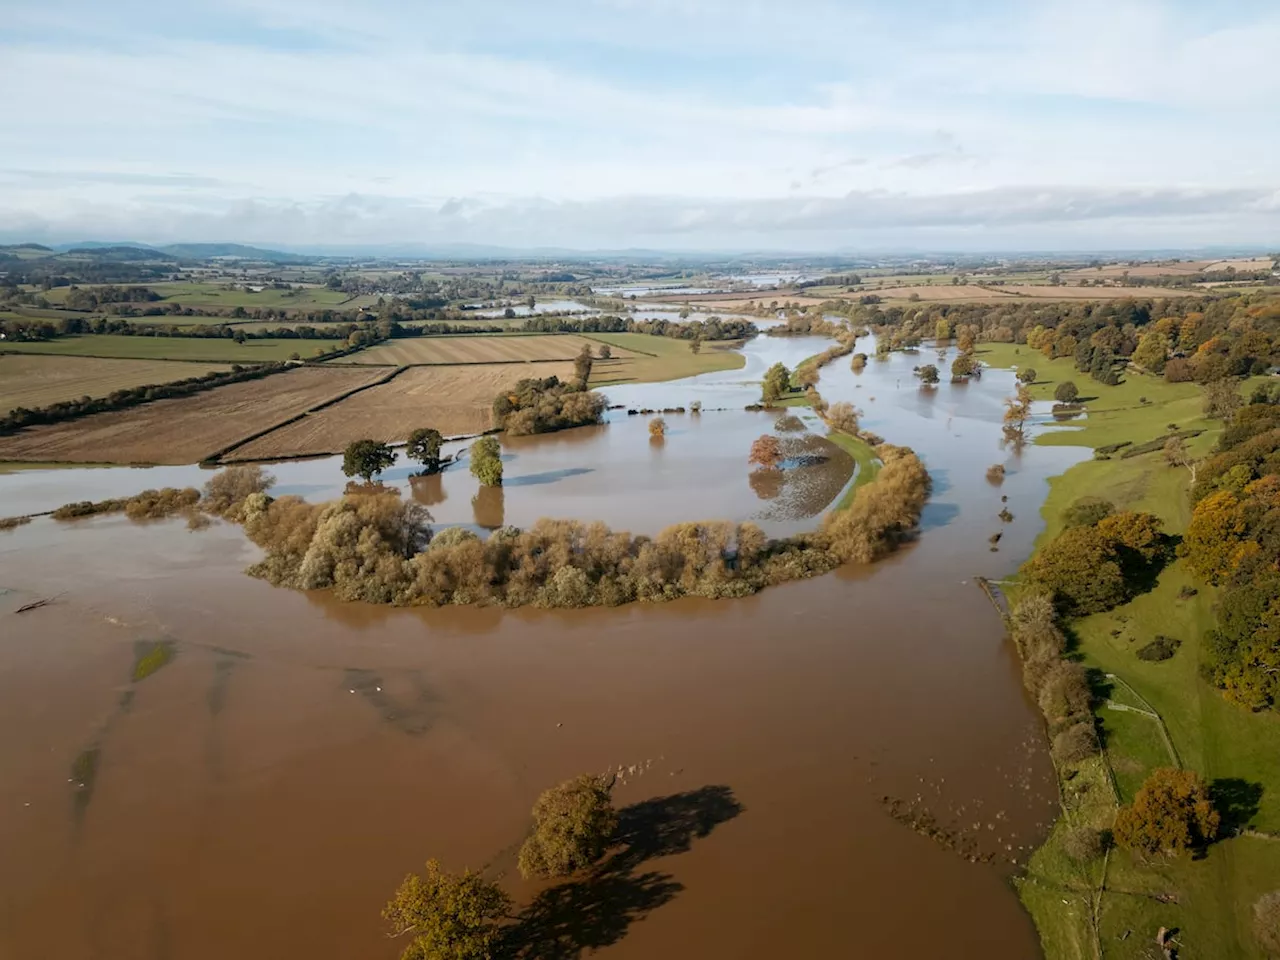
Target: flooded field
194,764
524,310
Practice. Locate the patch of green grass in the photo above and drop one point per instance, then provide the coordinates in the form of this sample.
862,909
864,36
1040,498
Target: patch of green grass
1207,899
662,358
207,349
868,464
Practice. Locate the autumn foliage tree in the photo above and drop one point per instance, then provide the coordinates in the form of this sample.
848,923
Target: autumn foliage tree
766,451
448,917
1170,813
572,826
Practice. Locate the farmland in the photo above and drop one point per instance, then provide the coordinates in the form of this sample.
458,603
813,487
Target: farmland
477,349
204,349
38,381
653,359
185,429
455,400
222,296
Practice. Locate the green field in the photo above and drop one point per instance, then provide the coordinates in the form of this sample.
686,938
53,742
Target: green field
213,350
863,455
217,295
664,358
1208,900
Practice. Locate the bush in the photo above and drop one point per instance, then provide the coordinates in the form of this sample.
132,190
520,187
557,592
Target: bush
657,428
1077,742
226,492
1064,693
1171,813
572,826
1066,392
1161,648
995,474
1084,844
1087,511
843,416
1266,922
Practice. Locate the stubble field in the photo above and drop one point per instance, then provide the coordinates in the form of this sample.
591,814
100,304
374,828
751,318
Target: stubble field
476,349
38,381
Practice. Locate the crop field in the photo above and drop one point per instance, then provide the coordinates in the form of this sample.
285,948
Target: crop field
185,429
38,381
220,295
640,358
454,400
477,349
207,349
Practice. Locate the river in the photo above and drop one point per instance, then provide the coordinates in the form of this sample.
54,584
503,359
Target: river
262,794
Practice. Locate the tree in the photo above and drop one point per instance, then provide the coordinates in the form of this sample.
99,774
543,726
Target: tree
604,353
777,383
582,365
1222,399
1177,370
1266,922
486,461
928,374
766,451
450,917
226,492
1081,569
657,428
424,446
966,340
1027,375
1016,414
1170,813
1102,368
961,367
1066,392
843,416
1176,454
366,459
1152,352
572,827
695,346
1215,540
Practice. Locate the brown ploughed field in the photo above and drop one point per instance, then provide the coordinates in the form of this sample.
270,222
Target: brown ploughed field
479,349
455,400
185,429
31,381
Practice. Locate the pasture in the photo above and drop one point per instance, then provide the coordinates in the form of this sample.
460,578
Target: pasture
640,358
33,381
186,429
454,400
204,349
493,348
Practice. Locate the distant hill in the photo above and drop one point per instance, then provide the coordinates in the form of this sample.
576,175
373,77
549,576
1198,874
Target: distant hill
120,253
15,247
239,251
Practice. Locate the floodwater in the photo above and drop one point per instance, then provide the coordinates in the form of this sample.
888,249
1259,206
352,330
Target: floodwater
521,309
263,792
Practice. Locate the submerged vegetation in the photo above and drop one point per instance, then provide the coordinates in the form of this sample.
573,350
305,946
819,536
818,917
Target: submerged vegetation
541,406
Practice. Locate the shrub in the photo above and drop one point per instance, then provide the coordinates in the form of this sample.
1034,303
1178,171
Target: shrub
1064,693
1170,813
572,826
1161,648
1087,511
227,490
1077,742
843,416
657,428
1083,844
995,474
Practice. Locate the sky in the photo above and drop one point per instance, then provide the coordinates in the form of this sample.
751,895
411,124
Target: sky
806,125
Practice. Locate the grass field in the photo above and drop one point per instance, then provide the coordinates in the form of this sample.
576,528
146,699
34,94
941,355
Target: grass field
454,400
218,296
1208,900
206,349
490,348
868,464
37,381
185,429
654,359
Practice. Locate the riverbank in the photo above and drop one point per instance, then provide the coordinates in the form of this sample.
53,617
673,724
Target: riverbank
1113,907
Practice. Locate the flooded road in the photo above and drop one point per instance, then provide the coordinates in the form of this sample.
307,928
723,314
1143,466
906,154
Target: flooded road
261,793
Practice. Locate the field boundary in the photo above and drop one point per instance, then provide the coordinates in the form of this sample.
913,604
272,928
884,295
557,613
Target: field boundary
217,455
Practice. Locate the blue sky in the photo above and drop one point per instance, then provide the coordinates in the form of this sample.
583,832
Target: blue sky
679,124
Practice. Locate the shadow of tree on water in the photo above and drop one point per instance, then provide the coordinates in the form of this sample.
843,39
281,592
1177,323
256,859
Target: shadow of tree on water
571,918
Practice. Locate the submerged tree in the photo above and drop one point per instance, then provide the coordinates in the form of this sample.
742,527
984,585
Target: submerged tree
424,446
766,451
1027,375
572,826
486,461
776,385
928,374
366,459
1016,414
657,428
449,917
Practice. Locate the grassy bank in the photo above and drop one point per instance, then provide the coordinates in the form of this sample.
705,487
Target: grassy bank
1114,909
868,464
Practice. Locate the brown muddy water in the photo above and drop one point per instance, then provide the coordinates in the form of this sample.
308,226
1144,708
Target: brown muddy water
259,787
